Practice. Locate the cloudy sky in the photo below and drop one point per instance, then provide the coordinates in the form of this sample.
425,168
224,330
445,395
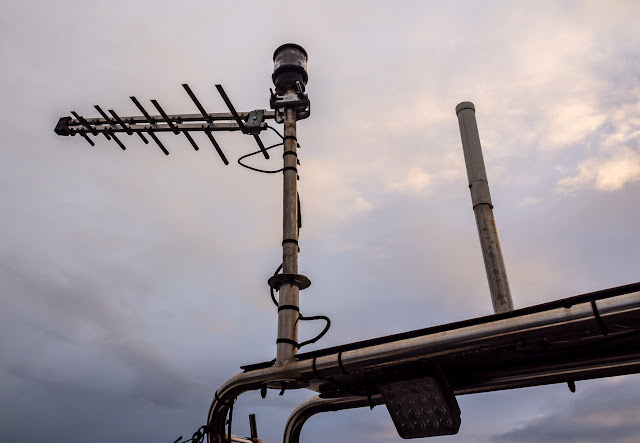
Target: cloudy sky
133,284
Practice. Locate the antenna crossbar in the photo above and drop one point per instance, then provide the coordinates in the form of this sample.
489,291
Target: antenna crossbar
75,127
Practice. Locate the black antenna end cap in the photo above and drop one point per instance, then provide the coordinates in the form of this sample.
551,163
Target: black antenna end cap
62,127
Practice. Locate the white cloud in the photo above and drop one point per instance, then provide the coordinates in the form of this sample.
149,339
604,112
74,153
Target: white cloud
604,174
415,180
572,123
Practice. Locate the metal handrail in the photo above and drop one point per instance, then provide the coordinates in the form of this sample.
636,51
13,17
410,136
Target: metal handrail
440,342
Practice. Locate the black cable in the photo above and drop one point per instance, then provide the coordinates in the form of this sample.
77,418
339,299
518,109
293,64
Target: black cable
264,171
273,297
303,318
259,151
197,436
275,130
320,335
280,135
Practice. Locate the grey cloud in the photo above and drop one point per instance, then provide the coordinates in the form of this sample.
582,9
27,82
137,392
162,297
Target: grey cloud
80,321
608,412
133,284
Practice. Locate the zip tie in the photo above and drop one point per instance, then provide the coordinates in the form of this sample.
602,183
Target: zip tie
290,168
289,153
315,369
596,314
290,137
292,307
344,371
289,240
572,385
288,341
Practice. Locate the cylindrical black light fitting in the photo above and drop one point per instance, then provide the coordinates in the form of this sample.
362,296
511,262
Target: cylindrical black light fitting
290,66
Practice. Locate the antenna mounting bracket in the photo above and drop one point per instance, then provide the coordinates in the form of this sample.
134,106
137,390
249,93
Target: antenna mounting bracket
300,101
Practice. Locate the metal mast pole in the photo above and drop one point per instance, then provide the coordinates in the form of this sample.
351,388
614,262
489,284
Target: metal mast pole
289,78
289,292
483,209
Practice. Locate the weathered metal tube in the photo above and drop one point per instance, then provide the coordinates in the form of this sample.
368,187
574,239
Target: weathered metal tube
506,329
483,209
316,405
289,294
289,78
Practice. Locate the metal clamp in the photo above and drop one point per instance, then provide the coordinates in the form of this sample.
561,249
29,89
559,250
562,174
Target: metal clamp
300,101
254,121
298,280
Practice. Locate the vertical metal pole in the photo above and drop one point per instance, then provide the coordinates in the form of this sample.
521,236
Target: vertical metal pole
253,427
483,209
289,293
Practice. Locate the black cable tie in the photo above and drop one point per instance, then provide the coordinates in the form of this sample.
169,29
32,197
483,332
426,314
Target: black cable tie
290,168
371,405
344,371
289,240
288,341
572,385
292,307
596,314
290,137
315,369
284,388
289,153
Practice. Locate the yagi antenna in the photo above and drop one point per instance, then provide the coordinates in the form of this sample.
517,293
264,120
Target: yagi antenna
250,123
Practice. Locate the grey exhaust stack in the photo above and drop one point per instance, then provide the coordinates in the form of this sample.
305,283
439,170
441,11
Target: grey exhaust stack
483,209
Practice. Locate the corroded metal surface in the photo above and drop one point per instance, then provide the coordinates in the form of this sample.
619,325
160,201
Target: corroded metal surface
483,209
